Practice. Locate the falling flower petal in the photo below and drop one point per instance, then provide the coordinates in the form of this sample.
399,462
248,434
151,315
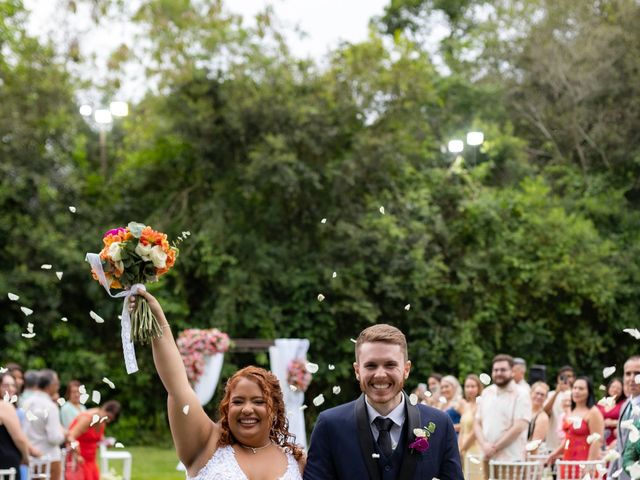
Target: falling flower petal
634,470
375,455
319,400
311,367
185,409
109,382
381,210
634,436
28,335
26,311
45,266
104,419
331,367
485,379
59,275
293,388
617,473
82,389
334,274
83,398
603,388
30,416
320,297
72,209
3,370
413,399
594,437
634,332
636,379
611,455
303,407
407,307
608,402
442,400
353,340
324,220
64,319
474,460
336,390
95,397
61,401
428,394
608,371
95,419
119,445
30,327
13,297
96,317
533,445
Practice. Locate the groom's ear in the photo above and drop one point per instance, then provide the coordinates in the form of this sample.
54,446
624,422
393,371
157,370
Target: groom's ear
407,369
356,368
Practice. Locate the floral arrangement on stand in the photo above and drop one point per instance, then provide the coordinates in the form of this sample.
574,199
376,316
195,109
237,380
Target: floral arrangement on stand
195,344
298,377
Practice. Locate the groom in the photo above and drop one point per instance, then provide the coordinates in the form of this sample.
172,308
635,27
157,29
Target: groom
381,436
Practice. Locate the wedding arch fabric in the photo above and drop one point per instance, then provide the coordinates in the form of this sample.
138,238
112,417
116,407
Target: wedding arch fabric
285,350
206,385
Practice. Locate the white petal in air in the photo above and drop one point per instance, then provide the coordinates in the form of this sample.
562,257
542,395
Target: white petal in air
30,416
109,382
636,379
104,419
634,435
634,470
617,473
320,297
407,307
293,388
82,389
324,220
303,407
319,400
413,399
381,209
311,367
375,455
13,297
442,400
61,401
3,370
634,332
95,397
95,419
334,274
608,371
353,340
59,275
594,437
72,209
119,445
336,390
64,319
533,445
485,379
45,266
96,317
28,335
27,311
30,327
474,460
185,409
83,398
331,367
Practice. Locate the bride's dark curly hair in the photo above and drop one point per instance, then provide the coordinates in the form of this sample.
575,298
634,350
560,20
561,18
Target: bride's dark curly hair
270,387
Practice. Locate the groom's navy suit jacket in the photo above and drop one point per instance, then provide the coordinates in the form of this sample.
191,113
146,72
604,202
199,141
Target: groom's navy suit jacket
342,447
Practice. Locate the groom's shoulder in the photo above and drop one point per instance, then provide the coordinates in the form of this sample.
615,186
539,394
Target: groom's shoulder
431,413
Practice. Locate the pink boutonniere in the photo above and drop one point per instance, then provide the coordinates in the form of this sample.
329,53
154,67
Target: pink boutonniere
421,442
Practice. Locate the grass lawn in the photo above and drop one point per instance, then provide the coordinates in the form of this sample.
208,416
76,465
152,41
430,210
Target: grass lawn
151,463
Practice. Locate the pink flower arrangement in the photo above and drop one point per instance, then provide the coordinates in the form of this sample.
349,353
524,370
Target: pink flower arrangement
297,375
194,344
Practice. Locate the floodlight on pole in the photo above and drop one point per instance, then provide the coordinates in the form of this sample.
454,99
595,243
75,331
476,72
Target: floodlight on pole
119,109
103,116
475,138
455,146
86,110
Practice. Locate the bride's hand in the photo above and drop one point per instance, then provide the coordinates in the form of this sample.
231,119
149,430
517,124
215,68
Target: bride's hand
154,305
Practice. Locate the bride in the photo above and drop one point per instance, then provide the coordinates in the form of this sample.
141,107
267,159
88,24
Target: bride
251,441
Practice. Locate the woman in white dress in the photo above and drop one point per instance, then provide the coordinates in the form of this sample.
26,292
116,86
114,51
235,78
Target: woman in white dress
251,441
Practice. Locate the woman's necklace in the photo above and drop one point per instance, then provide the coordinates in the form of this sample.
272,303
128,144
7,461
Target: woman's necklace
255,449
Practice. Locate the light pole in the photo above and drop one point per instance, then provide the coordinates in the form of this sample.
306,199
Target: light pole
474,139
103,118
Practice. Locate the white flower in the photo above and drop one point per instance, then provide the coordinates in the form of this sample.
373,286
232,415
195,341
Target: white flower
158,257
419,432
115,251
144,251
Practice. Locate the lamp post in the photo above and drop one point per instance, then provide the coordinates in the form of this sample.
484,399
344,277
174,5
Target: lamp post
474,139
103,118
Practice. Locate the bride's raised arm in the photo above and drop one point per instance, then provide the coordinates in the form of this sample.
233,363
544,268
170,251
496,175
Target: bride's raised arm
195,435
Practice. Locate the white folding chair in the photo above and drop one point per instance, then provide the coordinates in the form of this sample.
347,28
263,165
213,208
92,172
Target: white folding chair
514,470
39,468
106,455
579,469
8,474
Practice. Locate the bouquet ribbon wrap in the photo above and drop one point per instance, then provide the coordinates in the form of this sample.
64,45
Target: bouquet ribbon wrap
125,331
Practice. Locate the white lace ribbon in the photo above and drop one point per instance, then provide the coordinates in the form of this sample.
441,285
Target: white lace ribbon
125,331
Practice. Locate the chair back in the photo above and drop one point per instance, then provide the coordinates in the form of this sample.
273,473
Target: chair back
8,474
473,466
514,470
579,469
39,468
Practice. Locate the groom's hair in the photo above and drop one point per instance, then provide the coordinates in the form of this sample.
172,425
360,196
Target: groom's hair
385,334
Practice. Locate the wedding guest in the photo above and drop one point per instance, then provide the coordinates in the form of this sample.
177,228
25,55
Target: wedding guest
553,406
433,395
610,409
14,446
583,420
467,443
503,415
45,431
539,424
72,407
519,373
251,441
29,386
87,428
453,404
15,369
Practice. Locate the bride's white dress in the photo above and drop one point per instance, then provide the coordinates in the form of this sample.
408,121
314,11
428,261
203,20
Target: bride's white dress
224,466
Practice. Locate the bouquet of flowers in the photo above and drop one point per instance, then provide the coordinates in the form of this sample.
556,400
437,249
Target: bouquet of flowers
132,255
194,344
298,377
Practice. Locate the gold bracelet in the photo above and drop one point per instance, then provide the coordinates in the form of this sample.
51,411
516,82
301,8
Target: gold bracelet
166,325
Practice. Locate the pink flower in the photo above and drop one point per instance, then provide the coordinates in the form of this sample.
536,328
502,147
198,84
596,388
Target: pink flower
115,231
421,444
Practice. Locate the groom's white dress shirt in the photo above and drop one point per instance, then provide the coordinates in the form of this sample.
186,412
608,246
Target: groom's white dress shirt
397,415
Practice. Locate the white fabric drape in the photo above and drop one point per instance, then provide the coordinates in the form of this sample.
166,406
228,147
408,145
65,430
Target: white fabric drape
285,350
206,385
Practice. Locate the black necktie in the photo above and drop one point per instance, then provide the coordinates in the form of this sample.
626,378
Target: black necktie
384,436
